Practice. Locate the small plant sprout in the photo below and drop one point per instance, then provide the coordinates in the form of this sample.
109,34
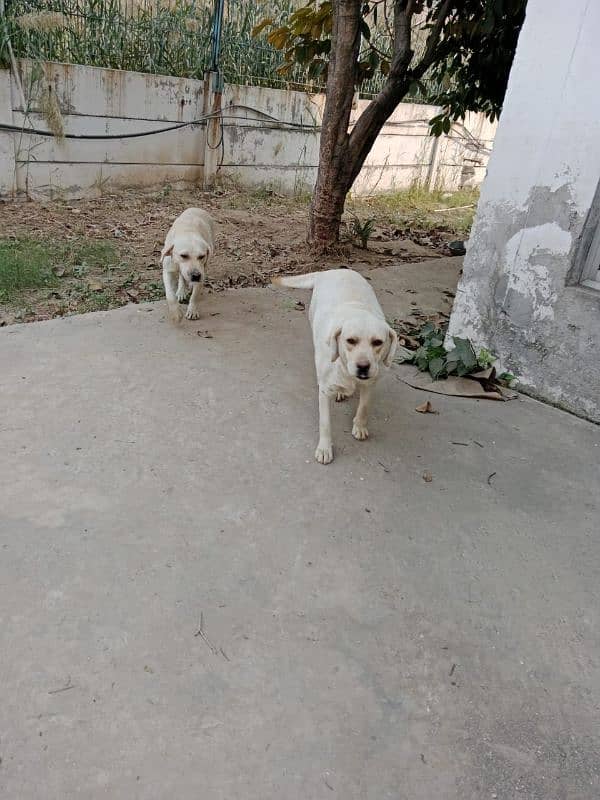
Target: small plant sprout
362,230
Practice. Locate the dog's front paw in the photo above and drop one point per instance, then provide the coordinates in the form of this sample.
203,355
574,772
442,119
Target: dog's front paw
341,396
193,312
360,432
175,313
324,453
181,294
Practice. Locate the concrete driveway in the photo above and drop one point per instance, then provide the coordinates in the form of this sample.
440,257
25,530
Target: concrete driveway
365,634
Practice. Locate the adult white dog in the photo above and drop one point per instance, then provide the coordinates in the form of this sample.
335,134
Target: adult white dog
352,340
184,258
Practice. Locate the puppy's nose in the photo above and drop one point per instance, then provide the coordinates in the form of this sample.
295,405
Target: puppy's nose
362,369
196,277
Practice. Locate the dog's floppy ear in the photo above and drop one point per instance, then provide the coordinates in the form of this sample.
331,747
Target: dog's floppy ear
391,349
334,344
166,251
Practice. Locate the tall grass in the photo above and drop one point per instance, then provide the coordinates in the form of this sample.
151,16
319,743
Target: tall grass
173,37
156,36
418,208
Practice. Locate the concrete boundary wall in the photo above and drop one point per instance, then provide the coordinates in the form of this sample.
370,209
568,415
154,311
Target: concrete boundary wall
253,148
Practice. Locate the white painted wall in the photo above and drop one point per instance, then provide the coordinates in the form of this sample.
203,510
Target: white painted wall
7,149
520,294
254,149
288,159
105,101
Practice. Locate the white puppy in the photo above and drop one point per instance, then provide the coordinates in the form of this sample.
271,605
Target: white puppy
351,339
184,258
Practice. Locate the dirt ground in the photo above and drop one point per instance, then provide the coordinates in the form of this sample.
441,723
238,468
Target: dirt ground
259,235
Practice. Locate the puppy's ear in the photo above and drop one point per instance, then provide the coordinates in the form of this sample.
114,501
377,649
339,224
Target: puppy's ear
391,348
334,344
166,251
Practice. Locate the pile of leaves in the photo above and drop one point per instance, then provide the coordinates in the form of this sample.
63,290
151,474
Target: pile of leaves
425,349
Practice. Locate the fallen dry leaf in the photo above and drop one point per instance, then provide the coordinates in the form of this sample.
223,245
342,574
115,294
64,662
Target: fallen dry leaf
95,286
427,476
426,408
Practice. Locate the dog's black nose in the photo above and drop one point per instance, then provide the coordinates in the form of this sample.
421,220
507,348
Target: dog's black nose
196,277
362,370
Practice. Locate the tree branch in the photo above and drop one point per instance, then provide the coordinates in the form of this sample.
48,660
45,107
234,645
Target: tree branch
432,51
371,121
402,38
373,118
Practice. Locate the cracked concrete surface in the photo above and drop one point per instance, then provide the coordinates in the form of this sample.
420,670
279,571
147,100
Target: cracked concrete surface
366,634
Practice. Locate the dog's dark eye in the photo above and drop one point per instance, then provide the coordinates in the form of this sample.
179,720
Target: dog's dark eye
352,340
184,256
376,342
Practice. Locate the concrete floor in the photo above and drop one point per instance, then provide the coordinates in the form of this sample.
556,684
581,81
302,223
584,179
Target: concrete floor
368,635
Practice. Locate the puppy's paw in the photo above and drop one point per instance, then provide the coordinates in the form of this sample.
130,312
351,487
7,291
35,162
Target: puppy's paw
193,312
324,453
360,432
175,313
341,396
181,294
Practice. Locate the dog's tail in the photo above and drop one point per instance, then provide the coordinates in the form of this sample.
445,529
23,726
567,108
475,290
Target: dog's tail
306,281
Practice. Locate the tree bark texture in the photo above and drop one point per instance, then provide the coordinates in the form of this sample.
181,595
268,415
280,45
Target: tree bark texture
343,153
334,174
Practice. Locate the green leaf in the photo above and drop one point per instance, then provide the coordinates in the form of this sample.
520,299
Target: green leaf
462,369
421,359
427,330
316,68
464,352
436,368
485,358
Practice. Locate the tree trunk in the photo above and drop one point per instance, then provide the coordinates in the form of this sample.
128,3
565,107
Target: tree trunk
334,175
341,154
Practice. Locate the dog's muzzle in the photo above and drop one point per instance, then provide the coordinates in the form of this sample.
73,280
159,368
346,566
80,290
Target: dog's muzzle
196,277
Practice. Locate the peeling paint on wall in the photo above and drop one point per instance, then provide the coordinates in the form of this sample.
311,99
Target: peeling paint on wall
518,294
527,275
